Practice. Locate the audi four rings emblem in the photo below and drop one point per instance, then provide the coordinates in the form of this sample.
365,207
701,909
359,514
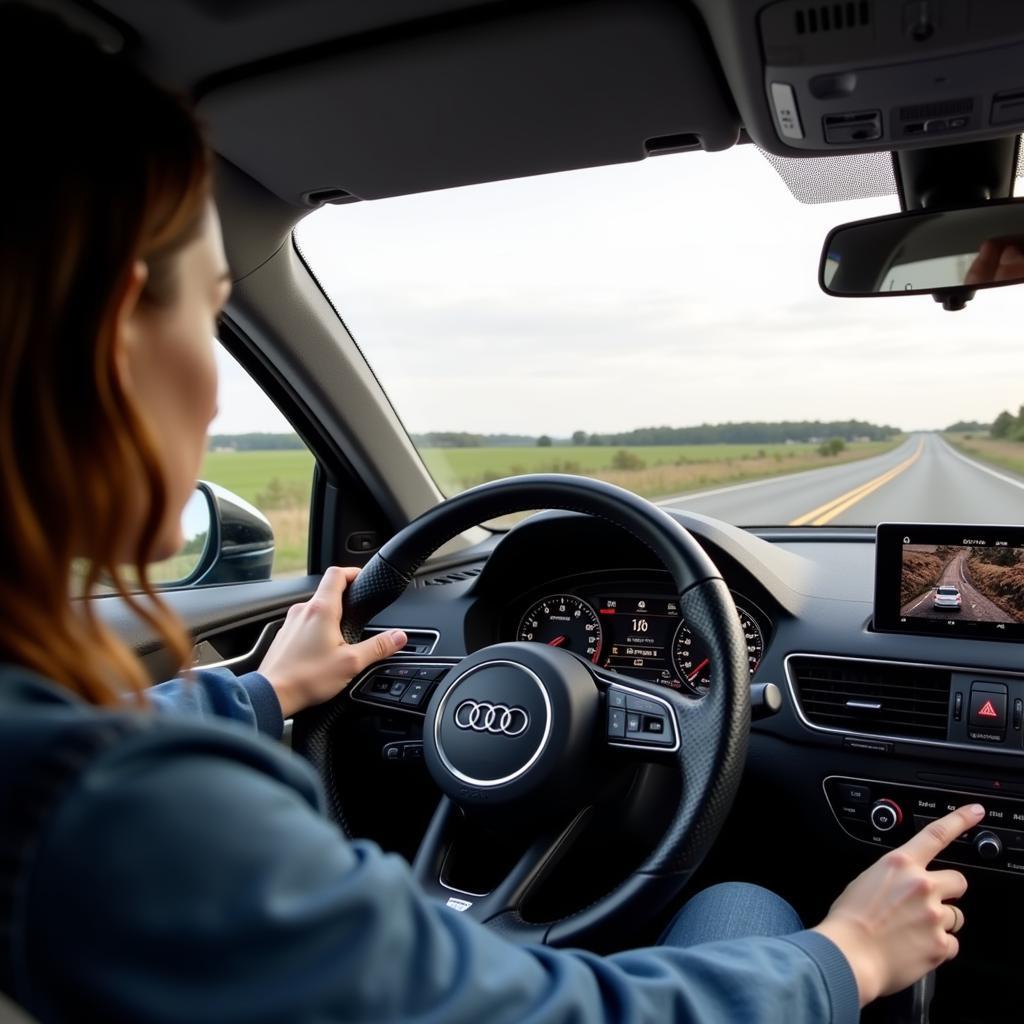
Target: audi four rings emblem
499,719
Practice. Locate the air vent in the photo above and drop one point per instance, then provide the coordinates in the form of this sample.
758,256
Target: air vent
458,576
872,697
945,108
832,17
418,641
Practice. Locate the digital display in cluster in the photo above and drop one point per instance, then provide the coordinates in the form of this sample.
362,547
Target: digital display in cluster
638,634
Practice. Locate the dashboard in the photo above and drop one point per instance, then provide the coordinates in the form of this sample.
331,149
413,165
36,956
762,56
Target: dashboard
928,709
628,624
882,727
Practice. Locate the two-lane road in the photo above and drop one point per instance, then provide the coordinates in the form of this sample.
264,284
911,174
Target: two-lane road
975,605
922,480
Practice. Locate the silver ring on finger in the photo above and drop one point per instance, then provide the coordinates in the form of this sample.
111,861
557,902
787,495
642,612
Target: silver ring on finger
958,920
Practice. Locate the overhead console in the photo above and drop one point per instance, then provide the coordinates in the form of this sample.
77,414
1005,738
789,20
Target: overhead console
873,74
864,73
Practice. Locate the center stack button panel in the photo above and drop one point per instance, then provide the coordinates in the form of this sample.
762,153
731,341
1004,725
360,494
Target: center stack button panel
887,814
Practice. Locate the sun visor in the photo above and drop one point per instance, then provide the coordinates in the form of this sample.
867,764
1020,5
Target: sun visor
477,100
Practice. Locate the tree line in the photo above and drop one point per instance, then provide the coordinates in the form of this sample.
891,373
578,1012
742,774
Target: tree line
804,431
707,433
1006,426
255,442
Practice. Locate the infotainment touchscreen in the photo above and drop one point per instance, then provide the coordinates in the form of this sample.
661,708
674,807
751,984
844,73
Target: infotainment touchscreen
957,580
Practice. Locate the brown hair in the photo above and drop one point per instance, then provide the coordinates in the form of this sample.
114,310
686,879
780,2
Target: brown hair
101,168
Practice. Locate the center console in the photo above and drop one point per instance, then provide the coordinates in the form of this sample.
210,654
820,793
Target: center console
930,580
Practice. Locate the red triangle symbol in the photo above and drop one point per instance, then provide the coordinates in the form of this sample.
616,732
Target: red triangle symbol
987,710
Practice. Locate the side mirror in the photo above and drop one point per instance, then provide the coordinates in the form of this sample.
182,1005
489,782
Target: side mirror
948,254
227,540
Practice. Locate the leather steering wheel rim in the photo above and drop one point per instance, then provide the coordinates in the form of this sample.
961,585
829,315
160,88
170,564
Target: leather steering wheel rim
713,730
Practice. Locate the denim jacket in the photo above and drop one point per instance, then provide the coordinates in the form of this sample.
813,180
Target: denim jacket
187,874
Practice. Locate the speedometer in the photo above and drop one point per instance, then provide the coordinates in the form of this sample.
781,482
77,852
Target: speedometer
692,661
563,621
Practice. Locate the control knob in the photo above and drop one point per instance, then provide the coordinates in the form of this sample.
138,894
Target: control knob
988,846
885,815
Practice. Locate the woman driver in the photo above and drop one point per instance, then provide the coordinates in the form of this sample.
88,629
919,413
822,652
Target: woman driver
161,861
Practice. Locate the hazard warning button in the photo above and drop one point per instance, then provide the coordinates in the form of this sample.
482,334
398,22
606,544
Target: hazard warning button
988,706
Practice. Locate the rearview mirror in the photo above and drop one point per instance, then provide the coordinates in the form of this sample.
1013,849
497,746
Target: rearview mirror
945,253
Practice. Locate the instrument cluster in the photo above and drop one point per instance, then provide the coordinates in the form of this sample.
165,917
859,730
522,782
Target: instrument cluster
632,627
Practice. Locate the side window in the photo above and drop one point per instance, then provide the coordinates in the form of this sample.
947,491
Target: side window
254,461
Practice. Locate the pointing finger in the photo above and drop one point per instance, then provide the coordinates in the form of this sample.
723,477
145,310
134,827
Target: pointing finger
938,834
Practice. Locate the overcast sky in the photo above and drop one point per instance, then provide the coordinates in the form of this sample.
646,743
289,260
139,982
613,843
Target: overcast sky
678,290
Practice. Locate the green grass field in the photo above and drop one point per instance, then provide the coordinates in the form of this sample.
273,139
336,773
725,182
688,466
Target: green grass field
655,471
248,474
279,482
1007,454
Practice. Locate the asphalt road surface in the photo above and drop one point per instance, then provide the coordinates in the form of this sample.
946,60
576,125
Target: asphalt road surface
975,607
924,480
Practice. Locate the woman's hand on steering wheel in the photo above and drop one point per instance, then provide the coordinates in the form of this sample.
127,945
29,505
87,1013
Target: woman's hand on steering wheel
309,661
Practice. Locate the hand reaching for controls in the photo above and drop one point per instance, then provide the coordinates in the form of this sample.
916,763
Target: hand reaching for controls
892,922
309,661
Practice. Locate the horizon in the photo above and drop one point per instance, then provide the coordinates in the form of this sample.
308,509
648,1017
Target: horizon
647,426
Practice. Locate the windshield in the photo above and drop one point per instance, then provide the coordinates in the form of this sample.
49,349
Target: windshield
660,325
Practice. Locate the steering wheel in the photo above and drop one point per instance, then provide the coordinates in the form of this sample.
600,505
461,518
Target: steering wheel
516,729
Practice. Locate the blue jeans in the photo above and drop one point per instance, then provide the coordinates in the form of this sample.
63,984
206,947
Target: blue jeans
732,910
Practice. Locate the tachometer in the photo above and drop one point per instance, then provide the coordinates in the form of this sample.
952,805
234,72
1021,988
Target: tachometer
563,621
692,662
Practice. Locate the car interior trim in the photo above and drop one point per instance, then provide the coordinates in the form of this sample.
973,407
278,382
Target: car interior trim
262,642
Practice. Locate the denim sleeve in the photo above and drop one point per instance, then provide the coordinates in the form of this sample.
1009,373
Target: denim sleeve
218,693
192,879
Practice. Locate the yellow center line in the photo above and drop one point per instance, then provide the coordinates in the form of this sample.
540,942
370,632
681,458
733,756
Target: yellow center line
824,514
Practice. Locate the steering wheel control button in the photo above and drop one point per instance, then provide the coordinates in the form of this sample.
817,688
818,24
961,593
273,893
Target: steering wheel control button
429,675
415,693
643,705
988,846
398,672
616,723
643,723
402,750
616,698
492,723
885,815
